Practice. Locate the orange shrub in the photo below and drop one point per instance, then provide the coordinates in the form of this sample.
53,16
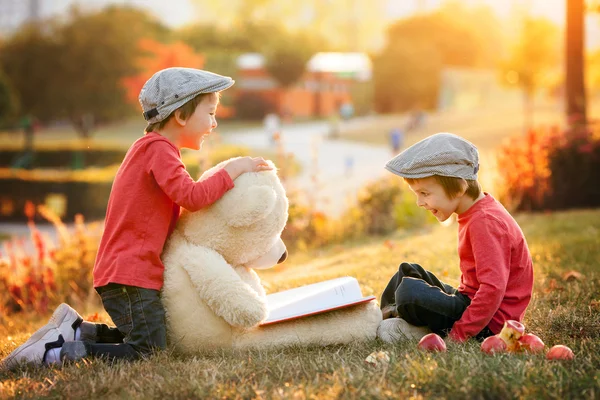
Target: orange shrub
53,273
550,169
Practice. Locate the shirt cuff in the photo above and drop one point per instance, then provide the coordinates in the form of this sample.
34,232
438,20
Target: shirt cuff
227,178
456,336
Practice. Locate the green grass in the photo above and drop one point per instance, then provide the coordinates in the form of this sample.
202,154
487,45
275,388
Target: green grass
561,312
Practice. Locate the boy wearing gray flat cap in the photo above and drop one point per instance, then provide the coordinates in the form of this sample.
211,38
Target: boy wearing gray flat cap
496,268
148,192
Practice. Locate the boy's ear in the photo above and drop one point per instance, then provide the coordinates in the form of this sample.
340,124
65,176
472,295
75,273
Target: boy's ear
178,118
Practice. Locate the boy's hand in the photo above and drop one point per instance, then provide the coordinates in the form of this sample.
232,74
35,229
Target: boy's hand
246,164
389,311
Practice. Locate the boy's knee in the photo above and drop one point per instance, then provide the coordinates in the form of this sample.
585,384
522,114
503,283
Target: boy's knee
408,291
410,270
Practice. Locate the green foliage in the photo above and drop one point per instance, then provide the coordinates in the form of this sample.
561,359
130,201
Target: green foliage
9,103
74,69
406,74
377,203
286,57
250,106
381,207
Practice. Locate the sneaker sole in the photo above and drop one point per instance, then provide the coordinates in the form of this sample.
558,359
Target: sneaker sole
12,359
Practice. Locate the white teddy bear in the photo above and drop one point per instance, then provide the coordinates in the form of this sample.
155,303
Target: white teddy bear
213,297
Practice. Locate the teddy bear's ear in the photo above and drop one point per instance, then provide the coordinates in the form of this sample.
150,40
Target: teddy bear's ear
255,204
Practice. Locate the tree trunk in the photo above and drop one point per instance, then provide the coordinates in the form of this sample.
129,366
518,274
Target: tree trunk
528,110
575,87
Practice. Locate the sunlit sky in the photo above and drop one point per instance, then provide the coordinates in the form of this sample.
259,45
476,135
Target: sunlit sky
180,12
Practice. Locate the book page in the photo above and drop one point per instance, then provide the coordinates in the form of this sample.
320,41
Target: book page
310,298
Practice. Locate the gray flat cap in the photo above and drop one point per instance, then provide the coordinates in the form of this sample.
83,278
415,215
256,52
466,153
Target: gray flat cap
442,154
170,88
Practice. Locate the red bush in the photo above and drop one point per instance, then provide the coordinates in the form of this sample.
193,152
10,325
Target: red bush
549,169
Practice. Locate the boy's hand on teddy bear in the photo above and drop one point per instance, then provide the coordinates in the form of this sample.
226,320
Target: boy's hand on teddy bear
246,164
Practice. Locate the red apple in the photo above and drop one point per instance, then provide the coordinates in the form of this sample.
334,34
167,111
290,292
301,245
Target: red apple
510,333
493,344
560,352
531,343
432,342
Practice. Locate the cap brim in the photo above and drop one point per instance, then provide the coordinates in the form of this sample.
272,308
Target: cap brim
219,86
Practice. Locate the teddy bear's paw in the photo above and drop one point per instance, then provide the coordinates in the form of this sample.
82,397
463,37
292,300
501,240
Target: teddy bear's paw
247,317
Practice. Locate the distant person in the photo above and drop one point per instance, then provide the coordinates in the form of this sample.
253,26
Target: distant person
28,125
150,187
272,126
334,125
416,119
346,111
496,280
396,140
349,165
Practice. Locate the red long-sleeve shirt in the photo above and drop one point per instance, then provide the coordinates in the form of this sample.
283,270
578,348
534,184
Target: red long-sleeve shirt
150,187
496,267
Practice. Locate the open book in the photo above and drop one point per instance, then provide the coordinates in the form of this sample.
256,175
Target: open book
313,299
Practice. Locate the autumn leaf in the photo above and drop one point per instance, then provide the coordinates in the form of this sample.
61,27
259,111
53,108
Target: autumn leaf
552,286
572,275
93,318
377,358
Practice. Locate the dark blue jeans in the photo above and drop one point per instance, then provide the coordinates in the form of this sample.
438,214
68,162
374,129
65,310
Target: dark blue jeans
421,299
139,317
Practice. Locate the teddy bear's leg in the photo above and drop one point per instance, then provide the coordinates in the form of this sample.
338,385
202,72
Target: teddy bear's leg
336,327
392,330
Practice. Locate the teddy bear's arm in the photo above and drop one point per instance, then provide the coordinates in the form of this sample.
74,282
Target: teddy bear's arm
222,289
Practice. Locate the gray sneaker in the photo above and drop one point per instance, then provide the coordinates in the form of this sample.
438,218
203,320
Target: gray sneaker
67,320
34,350
392,330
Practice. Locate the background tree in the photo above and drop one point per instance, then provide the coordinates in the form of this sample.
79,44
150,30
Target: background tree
407,70
287,56
349,25
575,80
74,70
9,103
406,75
156,56
532,58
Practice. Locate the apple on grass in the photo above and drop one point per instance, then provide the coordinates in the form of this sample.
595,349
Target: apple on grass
493,344
560,352
531,343
432,342
510,333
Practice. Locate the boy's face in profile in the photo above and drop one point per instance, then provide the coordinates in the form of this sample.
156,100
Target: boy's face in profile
200,123
432,197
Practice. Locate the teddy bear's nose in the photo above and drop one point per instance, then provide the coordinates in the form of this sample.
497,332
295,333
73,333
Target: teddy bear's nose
283,257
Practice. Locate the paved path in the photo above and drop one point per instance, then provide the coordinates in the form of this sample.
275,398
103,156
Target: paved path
332,170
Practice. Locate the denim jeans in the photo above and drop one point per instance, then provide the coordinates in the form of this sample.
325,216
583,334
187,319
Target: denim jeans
421,299
139,317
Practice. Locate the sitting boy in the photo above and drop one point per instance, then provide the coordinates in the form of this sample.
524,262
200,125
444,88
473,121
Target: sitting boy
496,268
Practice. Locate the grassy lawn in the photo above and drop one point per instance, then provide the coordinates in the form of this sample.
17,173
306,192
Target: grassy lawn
562,312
